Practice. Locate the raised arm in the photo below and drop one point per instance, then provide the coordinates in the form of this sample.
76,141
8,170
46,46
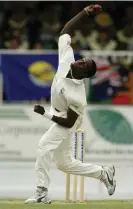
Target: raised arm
80,18
65,50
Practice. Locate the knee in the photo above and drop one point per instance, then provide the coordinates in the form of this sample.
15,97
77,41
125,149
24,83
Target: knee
64,164
43,150
61,166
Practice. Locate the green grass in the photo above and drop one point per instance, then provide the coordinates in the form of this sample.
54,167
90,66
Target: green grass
19,204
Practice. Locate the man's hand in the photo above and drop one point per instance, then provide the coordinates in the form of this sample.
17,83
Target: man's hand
39,109
93,9
81,17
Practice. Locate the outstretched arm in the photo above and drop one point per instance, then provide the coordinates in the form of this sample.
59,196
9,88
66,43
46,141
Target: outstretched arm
80,18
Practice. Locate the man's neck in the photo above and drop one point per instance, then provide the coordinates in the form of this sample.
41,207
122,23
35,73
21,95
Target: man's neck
70,76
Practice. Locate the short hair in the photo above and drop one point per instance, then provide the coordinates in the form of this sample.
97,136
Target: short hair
92,71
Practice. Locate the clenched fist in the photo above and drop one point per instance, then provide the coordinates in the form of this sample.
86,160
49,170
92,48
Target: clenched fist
39,109
93,9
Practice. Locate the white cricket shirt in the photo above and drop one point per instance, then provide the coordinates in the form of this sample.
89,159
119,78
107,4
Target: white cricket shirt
66,92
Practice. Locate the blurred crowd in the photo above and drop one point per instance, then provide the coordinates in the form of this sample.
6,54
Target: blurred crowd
36,25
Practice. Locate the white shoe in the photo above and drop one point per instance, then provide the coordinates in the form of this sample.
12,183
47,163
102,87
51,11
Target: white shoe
108,178
39,196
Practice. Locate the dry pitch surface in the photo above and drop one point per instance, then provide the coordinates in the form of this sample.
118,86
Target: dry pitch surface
19,204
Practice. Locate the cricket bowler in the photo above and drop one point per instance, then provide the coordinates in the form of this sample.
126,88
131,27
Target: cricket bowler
68,100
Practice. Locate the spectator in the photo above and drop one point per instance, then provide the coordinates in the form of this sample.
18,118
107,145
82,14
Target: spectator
18,21
83,37
50,27
104,41
125,38
15,25
20,39
34,23
38,45
13,43
103,21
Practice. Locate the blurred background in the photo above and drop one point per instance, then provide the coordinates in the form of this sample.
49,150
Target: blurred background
29,33
36,25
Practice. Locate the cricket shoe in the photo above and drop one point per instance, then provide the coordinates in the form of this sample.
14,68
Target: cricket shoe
108,178
39,196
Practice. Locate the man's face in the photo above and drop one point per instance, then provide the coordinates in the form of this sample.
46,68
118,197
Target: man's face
81,68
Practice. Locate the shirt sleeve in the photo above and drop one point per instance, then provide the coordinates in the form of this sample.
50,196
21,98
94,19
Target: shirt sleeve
66,53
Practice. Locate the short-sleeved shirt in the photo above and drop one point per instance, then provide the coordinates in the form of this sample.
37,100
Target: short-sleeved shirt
66,92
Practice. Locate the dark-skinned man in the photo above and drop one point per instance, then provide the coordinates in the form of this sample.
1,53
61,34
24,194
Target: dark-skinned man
68,100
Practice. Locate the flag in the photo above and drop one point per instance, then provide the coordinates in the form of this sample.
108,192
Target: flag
107,81
28,76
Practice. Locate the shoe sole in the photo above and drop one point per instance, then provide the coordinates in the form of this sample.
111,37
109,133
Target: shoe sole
46,203
114,188
113,167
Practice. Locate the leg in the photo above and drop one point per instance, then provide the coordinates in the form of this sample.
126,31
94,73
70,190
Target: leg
76,167
66,163
47,146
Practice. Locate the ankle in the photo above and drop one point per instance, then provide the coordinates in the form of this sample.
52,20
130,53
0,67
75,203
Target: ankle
44,189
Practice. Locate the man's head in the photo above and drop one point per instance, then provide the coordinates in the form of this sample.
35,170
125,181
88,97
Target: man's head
84,68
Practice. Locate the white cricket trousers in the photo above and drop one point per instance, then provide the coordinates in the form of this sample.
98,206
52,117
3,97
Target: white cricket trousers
56,144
